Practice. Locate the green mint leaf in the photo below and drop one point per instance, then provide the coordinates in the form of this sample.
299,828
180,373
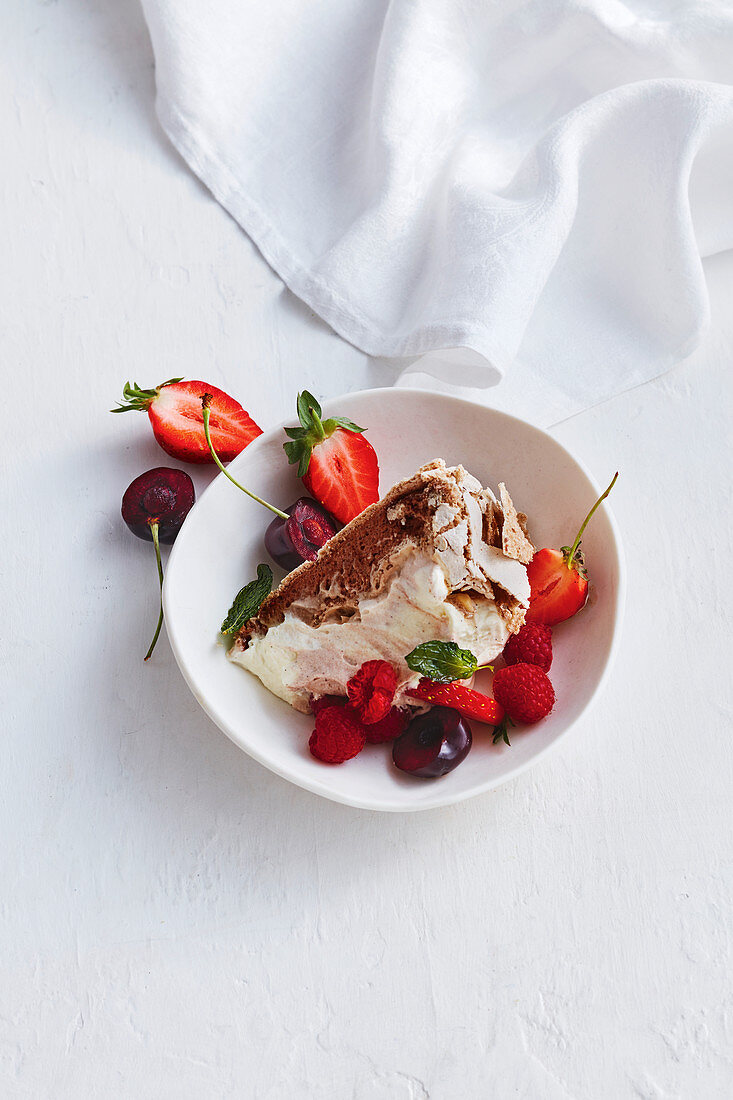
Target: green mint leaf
306,402
334,422
442,662
296,433
247,601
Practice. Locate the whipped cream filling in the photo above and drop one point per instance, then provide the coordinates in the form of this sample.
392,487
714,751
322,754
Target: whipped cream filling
295,660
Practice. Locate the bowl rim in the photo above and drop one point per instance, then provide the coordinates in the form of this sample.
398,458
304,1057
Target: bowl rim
437,802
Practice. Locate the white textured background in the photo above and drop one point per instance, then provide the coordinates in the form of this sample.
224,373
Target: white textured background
177,922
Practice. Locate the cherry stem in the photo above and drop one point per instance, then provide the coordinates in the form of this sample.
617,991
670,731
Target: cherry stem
153,523
576,544
205,401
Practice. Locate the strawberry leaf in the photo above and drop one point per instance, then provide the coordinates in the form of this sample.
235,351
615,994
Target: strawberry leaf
248,600
307,405
576,561
442,662
334,422
133,397
298,450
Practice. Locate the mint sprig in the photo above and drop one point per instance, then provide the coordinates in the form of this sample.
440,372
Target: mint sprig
443,662
311,431
248,600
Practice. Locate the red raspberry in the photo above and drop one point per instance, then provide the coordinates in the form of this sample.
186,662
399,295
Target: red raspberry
532,646
525,692
389,727
337,737
371,691
326,701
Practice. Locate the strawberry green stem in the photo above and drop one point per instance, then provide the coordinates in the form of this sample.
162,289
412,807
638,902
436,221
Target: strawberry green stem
584,524
205,402
318,425
156,544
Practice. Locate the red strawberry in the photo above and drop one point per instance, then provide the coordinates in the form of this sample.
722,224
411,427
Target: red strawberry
338,735
525,692
371,691
392,725
174,410
532,646
337,463
470,703
558,578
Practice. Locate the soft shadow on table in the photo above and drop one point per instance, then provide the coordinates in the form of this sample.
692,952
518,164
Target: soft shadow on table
352,369
212,816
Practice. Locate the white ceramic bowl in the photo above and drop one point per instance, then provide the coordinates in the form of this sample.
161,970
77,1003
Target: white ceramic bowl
220,545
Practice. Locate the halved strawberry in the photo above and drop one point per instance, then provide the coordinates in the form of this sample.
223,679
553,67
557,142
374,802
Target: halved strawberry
558,578
470,703
175,413
336,462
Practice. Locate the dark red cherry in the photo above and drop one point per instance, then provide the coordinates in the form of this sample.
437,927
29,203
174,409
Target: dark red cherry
291,541
154,507
162,494
433,744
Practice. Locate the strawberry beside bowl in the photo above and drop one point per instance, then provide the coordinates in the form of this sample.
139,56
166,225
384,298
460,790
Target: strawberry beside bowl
221,544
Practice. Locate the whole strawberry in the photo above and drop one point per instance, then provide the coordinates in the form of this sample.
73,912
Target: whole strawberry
338,735
525,692
531,646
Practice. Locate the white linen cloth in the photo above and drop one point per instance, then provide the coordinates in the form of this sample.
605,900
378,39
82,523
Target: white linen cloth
532,182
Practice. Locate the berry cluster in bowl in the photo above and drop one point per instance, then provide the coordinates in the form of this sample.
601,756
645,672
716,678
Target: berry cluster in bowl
431,744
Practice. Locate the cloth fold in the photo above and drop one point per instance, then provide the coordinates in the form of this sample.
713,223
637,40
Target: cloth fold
532,184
